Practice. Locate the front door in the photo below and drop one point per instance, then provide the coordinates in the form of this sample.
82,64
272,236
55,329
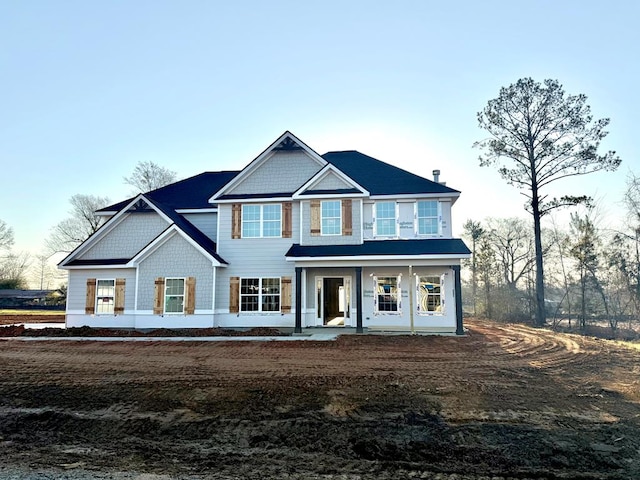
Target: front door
333,301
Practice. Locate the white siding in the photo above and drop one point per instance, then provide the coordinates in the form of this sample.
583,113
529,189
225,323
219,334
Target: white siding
130,236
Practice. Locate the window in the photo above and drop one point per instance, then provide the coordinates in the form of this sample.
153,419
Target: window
331,217
430,295
105,296
174,295
261,221
387,298
386,219
427,217
260,295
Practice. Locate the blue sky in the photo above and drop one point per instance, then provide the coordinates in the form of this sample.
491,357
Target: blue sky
89,88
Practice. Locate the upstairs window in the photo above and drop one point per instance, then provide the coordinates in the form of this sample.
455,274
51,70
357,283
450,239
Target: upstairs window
261,221
427,217
331,217
385,221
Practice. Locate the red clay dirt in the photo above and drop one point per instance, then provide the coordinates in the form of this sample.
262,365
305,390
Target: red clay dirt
507,401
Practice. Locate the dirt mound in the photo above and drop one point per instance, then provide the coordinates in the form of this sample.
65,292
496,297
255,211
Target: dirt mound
505,402
20,330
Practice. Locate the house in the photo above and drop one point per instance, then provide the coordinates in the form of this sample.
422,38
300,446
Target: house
295,239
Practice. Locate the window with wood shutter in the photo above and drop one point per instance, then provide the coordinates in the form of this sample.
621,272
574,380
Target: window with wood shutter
236,221
234,294
347,222
190,301
158,294
286,220
119,300
285,305
315,218
90,302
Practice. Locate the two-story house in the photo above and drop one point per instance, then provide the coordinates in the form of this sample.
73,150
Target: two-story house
295,239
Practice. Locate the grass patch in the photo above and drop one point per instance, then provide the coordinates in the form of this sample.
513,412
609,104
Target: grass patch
30,312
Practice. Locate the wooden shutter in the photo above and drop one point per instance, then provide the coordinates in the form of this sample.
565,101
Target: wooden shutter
285,294
347,222
158,299
286,220
90,304
119,300
190,292
315,218
236,221
234,294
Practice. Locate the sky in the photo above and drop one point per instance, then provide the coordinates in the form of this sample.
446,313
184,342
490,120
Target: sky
89,89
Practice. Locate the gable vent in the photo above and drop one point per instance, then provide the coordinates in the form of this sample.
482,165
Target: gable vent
288,145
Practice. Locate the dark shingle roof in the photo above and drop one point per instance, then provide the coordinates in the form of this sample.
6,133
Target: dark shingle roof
431,246
380,178
193,192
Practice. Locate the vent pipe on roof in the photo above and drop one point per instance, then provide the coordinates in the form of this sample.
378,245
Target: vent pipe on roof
436,176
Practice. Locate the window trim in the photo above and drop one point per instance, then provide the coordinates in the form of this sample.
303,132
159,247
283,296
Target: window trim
376,233
441,295
261,221
166,296
339,218
398,295
113,297
260,294
438,217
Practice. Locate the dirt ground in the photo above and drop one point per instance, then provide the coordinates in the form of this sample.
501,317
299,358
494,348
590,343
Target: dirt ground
505,402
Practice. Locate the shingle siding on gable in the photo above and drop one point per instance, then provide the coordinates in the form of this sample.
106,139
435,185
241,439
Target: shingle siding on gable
331,182
176,258
283,172
130,236
207,223
307,239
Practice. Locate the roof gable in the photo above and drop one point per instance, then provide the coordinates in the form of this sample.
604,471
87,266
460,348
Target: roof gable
330,181
278,171
381,178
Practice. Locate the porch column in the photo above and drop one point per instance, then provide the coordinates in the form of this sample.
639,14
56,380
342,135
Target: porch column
359,299
458,289
299,287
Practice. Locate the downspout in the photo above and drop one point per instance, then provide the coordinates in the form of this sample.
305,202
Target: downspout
413,331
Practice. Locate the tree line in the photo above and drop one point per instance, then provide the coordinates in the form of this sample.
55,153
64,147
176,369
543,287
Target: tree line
18,270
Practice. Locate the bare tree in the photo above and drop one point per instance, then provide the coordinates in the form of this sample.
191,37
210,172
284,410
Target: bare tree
13,269
6,236
474,231
545,136
148,176
82,223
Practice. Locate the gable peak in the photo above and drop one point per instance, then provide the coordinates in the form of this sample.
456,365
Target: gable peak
288,144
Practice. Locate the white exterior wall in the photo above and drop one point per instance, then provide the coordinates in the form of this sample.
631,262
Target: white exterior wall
126,239
406,227
436,322
282,172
